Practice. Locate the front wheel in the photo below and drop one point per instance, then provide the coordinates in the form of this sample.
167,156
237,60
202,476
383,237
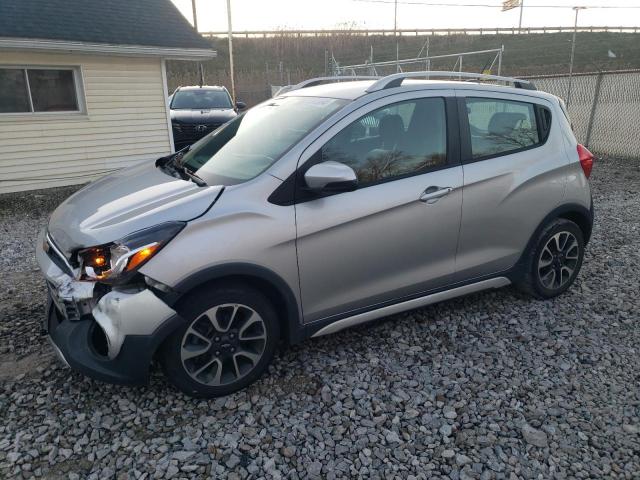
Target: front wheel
228,340
553,263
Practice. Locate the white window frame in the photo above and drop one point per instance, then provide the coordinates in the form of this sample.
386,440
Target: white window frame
77,83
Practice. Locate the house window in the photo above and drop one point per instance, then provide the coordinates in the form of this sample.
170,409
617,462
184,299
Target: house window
39,90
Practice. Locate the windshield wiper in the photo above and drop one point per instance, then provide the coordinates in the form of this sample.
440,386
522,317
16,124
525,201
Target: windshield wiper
180,167
193,176
175,168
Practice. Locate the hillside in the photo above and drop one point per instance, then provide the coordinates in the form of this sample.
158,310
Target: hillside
260,62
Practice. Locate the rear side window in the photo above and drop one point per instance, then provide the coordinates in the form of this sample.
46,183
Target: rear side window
500,127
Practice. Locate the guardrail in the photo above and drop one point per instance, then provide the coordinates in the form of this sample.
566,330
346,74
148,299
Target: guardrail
418,31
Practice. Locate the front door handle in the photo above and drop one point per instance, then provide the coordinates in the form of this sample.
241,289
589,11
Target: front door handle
432,194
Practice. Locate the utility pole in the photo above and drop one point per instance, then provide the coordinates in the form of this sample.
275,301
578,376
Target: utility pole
520,23
371,70
195,15
573,51
395,34
230,34
326,63
428,61
195,27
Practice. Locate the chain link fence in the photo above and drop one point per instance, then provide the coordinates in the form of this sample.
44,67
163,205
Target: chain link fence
604,108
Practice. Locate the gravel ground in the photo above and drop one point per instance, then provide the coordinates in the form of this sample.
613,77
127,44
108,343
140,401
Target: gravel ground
494,385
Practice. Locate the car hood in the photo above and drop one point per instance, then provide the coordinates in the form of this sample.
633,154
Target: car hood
204,117
124,202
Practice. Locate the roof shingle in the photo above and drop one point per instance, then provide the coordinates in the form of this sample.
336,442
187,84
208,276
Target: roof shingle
155,23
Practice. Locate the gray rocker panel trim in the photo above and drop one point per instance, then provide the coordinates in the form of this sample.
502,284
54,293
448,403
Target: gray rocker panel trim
411,304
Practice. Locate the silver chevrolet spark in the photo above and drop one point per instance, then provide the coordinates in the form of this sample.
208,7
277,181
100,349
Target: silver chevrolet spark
330,205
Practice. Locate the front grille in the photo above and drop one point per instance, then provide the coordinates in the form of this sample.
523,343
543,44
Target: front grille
193,131
186,134
66,308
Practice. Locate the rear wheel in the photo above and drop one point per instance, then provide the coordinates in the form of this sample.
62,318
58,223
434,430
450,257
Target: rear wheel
227,342
553,263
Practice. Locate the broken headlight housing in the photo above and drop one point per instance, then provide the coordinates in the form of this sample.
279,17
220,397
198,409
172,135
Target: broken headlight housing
116,262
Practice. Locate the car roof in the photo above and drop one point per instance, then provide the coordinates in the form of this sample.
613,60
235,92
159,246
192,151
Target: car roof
203,87
352,90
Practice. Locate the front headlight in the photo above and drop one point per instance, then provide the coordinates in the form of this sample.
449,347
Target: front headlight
115,262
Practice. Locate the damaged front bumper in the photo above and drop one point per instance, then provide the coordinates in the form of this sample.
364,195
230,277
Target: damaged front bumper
112,335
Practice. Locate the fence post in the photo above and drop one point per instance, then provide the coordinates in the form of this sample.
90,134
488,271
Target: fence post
594,106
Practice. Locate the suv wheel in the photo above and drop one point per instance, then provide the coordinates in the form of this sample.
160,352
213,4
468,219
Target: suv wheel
554,261
227,342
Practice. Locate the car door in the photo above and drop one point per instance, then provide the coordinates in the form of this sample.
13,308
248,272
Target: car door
395,236
514,175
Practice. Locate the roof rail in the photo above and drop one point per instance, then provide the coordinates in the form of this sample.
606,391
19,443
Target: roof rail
395,80
318,80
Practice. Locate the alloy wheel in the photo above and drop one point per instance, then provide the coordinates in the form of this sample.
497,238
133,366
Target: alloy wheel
558,260
223,344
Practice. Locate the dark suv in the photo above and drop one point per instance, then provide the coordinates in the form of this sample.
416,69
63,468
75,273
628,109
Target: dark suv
196,111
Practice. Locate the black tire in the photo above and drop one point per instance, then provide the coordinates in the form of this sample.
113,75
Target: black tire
533,279
222,298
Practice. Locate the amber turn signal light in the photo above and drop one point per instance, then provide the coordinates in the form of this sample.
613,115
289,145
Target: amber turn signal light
142,256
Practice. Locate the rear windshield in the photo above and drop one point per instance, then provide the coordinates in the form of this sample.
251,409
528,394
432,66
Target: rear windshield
200,99
249,144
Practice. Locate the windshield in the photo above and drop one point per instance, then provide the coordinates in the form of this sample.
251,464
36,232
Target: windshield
249,144
200,99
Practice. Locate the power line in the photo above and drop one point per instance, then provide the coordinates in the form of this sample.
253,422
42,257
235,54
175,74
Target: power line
487,5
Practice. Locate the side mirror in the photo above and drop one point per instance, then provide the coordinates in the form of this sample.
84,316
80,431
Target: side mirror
241,105
331,177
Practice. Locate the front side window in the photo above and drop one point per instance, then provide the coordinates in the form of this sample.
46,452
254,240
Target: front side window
501,126
200,99
250,143
396,140
36,90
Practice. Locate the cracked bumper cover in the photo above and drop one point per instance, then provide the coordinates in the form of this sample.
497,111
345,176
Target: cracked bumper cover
134,322
72,341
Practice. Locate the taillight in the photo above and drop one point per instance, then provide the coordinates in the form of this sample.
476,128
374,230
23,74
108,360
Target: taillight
586,160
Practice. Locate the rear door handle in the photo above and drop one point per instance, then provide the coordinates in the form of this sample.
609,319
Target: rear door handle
433,194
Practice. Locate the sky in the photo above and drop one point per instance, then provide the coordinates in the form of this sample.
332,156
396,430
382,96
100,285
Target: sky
377,14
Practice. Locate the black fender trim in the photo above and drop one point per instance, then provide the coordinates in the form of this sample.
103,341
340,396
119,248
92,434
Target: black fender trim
571,211
293,327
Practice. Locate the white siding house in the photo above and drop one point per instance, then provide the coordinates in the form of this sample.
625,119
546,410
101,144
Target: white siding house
71,111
